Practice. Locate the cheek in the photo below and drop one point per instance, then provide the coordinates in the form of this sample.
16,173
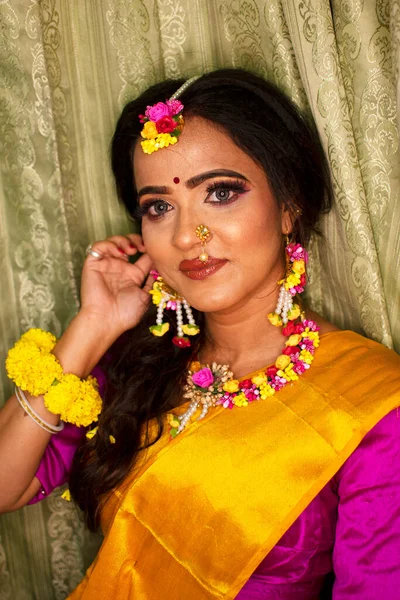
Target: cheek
154,241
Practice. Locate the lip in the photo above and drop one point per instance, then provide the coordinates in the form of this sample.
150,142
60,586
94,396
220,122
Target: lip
195,269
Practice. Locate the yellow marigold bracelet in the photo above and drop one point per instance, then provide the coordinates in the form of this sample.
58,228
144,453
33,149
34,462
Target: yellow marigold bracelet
33,368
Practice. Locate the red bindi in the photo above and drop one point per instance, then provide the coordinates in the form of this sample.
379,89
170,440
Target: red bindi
176,180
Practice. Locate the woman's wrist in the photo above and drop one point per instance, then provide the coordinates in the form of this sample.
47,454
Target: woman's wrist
83,343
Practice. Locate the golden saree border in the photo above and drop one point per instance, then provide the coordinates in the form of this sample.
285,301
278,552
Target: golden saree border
203,511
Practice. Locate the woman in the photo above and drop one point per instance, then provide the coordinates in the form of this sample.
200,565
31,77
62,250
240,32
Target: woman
300,478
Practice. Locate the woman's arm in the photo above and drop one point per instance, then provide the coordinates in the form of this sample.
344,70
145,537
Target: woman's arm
366,555
22,441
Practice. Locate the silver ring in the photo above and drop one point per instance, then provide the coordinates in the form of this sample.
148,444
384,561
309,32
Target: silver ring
90,252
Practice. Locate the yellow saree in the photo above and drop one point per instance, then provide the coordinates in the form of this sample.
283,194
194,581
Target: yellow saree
200,512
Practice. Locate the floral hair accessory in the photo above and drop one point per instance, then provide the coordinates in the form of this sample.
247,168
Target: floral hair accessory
163,122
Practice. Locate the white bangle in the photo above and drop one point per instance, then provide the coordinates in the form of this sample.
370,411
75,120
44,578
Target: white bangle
30,411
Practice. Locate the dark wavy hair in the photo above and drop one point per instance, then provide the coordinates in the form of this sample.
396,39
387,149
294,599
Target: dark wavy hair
144,373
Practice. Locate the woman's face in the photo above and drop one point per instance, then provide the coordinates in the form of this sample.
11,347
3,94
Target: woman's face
206,179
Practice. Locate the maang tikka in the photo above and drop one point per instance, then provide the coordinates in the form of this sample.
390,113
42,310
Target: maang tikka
165,298
292,284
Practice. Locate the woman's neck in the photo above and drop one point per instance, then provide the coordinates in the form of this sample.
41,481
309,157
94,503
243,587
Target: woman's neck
244,338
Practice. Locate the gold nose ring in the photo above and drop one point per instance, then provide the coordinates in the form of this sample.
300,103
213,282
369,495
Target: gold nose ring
204,234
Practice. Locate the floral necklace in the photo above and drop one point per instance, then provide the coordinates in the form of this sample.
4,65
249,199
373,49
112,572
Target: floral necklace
214,385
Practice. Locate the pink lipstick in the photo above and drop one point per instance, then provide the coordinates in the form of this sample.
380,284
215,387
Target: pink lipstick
195,269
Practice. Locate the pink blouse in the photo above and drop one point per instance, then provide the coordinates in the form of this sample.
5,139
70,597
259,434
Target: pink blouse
351,528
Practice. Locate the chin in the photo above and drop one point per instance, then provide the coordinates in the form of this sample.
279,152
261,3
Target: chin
212,302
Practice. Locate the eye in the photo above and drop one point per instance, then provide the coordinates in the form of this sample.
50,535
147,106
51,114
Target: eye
154,209
158,208
224,192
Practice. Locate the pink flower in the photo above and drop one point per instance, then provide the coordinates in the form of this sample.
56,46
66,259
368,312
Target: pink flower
155,274
299,367
311,325
203,378
175,106
157,111
165,125
171,305
307,344
297,252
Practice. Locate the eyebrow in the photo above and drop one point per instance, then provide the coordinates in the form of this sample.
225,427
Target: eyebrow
191,183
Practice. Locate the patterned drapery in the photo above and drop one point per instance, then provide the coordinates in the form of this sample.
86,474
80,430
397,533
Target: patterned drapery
66,69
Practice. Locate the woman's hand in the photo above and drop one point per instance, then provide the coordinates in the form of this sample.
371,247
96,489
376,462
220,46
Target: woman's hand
112,289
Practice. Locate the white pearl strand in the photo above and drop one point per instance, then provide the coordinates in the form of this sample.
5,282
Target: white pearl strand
188,311
160,312
184,87
285,304
179,318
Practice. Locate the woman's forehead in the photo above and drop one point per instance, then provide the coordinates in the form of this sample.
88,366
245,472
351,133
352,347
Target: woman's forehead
201,147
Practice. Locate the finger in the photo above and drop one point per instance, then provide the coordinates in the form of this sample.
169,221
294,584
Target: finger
108,248
137,241
148,284
143,266
130,243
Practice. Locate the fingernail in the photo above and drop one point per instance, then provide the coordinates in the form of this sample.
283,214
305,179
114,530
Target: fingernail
121,251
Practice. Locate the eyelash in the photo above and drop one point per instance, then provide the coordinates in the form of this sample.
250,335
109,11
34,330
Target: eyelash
233,186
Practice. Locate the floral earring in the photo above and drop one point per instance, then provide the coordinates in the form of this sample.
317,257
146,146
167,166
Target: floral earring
165,297
292,284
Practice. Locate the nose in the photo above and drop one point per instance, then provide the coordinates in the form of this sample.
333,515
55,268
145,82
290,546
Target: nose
185,237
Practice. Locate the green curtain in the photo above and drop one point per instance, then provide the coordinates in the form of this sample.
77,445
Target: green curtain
66,69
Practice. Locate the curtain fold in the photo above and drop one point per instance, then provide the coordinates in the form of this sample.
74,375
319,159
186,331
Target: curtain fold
67,67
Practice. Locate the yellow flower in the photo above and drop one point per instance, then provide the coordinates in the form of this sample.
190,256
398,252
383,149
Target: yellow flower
240,400
172,420
112,439
190,329
163,140
266,391
76,401
294,312
289,374
275,319
90,434
306,356
259,379
148,146
66,495
159,330
294,340
195,366
311,335
292,281
156,293
299,267
42,339
31,369
149,130
231,386
282,361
